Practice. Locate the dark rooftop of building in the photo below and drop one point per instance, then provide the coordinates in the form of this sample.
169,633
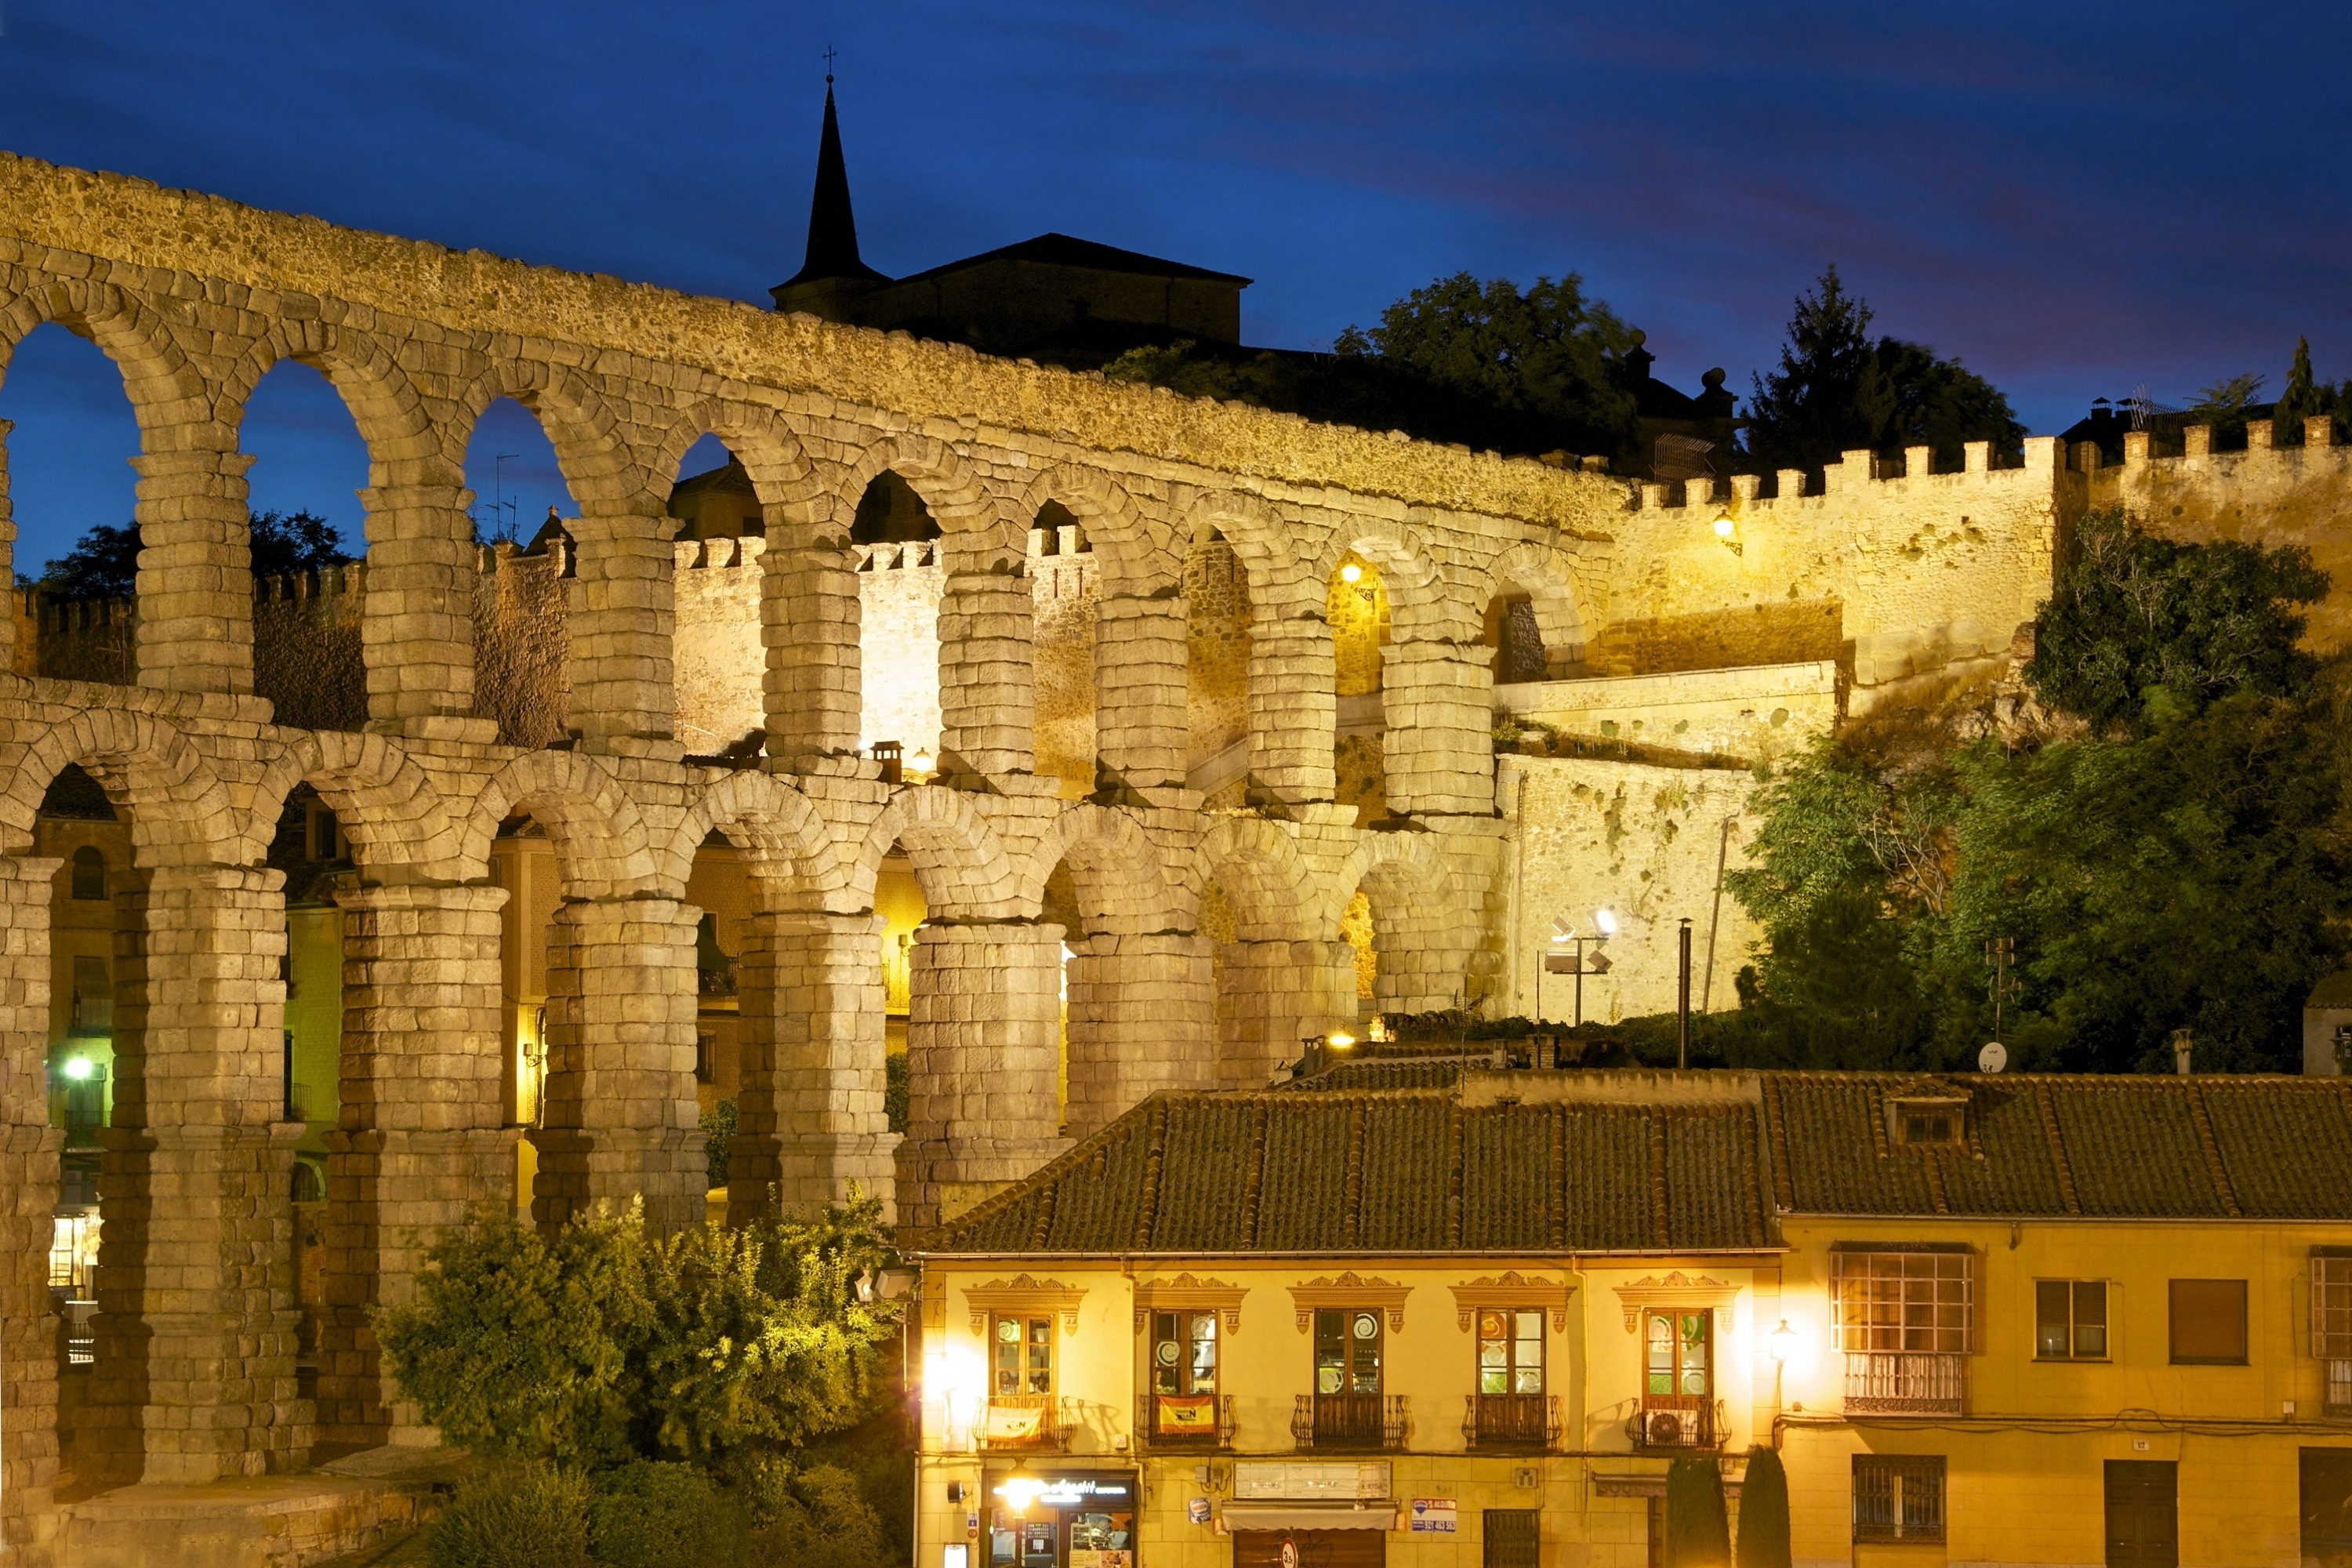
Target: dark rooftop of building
1065,250
1643,1161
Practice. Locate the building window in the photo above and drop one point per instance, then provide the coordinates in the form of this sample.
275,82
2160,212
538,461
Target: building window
1930,1123
1510,1351
2208,1323
2070,1320
1919,1302
89,872
1898,1497
1185,1352
2331,1324
1025,1355
1347,1350
1681,1354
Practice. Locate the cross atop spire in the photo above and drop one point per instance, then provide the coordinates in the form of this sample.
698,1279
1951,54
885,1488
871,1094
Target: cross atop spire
833,227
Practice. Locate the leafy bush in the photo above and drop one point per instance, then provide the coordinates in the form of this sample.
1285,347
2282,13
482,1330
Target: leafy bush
517,1515
649,1515
1764,1512
604,1344
719,1125
1698,1527
814,1517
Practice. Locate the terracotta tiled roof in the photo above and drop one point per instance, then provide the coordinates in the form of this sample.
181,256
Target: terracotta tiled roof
1641,1161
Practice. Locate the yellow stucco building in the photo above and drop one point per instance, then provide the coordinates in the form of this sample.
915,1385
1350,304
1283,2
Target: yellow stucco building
1471,1321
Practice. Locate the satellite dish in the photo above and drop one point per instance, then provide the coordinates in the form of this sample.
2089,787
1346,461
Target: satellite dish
1993,1057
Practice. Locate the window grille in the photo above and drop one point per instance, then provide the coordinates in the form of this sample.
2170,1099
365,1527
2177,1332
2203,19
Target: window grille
2331,1327
1898,1497
1920,1302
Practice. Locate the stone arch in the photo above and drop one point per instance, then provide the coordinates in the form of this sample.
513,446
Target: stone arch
1416,585
387,805
166,391
1262,542
972,524
1545,574
780,467
958,856
391,417
1420,956
792,854
1120,883
601,837
181,813
591,446
1274,893
1130,556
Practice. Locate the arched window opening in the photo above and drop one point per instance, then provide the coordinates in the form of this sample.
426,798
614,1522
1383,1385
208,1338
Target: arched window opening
73,495
1357,607
1357,928
89,872
1065,620
1060,907
1216,672
716,677
310,463
1512,632
900,583
719,885
899,903
521,635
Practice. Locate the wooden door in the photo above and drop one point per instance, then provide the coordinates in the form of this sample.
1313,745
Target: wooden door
2142,1513
1315,1548
2326,1477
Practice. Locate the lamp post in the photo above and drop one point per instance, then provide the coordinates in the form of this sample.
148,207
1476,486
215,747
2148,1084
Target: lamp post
1576,962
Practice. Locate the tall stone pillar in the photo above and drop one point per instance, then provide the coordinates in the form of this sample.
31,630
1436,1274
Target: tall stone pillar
196,571
421,1142
195,1328
983,1032
1292,709
1142,1019
621,612
987,682
809,614
1140,727
810,1115
1274,994
28,1199
621,1118
416,631
1439,754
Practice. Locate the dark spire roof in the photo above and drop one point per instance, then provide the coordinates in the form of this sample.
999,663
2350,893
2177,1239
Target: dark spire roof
833,227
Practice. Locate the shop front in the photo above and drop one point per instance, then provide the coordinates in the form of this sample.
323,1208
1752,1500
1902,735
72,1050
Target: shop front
1061,1519
1310,1514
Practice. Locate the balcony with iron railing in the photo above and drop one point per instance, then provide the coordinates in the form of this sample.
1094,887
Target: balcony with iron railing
1672,1422
1341,1423
1184,1422
1905,1383
1025,1423
1511,1423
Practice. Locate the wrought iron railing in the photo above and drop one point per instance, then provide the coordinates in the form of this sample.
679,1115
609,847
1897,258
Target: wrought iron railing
1528,1422
1673,1421
1352,1421
1905,1383
1018,1422
2338,1398
1175,1421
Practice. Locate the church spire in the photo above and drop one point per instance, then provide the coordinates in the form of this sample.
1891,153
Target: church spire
833,227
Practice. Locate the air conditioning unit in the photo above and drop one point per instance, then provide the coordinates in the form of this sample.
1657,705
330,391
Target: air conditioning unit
1669,1429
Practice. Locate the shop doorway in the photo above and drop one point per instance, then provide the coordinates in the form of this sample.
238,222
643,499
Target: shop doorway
2326,1481
1062,1522
1310,1549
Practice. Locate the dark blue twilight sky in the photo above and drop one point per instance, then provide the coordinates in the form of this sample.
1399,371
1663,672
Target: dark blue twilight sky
2074,198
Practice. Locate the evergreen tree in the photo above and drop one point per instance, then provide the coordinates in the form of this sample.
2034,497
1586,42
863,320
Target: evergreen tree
1839,390
104,562
1764,1511
1698,1524
2300,399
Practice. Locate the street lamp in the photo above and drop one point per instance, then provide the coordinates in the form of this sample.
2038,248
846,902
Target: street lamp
1576,963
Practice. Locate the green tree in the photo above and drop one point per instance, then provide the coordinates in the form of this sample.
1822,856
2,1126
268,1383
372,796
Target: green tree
104,562
2225,404
1839,390
603,1342
1548,352
1764,1511
1698,1525
2137,629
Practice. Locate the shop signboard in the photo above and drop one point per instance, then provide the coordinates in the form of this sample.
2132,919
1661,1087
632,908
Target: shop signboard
1431,1516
